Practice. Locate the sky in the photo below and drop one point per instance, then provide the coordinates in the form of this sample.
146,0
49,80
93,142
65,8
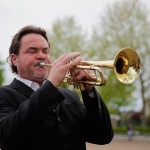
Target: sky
14,14
17,13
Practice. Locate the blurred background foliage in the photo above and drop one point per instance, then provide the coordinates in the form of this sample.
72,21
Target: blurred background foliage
123,24
1,72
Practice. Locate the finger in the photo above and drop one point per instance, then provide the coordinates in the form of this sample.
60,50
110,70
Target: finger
71,57
74,71
84,73
66,58
72,64
79,75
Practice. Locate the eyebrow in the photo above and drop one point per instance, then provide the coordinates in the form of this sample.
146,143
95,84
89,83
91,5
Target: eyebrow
36,48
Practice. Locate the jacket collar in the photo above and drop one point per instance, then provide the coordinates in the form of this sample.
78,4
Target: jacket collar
21,88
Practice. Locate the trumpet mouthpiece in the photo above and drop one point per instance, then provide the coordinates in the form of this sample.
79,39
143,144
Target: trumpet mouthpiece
42,64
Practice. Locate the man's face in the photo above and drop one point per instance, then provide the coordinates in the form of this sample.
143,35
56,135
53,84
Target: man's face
33,50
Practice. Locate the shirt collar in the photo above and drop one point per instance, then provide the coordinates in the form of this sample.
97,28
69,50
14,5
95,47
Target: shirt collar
31,84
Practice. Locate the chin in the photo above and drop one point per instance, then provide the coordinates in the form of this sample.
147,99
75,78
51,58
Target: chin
41,76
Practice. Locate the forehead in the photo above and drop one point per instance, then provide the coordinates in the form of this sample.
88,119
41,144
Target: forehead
33,39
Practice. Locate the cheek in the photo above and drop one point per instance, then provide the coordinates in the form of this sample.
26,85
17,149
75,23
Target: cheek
25,59
23,68
24,64
48,59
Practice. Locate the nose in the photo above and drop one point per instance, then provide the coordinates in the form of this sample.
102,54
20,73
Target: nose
40,55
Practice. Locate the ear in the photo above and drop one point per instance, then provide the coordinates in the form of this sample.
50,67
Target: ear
14,59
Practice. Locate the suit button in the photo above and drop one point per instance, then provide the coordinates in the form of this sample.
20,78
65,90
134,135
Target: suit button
58,118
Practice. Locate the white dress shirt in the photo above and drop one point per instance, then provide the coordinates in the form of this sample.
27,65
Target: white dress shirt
31,84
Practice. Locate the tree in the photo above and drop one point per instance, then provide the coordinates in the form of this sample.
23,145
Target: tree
66,36
126,24
1,73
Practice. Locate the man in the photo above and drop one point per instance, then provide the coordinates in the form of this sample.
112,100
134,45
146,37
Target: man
35,113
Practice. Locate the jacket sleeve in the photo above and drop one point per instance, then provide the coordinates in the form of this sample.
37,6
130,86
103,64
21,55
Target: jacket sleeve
18,123
98,123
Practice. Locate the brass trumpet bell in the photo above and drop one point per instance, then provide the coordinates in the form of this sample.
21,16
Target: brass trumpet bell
126,65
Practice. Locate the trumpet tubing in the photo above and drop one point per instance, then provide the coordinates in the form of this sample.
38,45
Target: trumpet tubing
126,66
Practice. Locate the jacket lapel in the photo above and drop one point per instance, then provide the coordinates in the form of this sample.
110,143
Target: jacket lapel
21,88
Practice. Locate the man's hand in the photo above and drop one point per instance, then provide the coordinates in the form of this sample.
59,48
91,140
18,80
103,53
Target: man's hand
80,75
61,66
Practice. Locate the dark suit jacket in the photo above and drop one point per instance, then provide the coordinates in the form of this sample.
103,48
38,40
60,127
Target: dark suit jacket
51,118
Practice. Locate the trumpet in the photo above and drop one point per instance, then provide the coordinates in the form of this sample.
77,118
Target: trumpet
126,66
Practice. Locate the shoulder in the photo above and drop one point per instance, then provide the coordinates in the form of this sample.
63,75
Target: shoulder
6,95
7,92
5,88
10,87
